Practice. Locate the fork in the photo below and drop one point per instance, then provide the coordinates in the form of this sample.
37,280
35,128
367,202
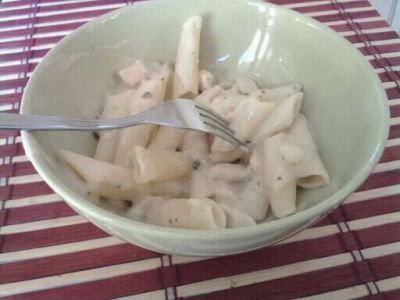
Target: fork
177,113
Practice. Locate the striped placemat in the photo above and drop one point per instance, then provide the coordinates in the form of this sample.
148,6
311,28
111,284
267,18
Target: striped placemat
49,252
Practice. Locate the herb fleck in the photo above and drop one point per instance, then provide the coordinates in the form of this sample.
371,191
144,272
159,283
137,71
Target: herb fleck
147,95
196,164
169,221
96,135
279,178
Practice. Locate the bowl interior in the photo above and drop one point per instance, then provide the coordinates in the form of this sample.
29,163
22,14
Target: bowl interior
344,102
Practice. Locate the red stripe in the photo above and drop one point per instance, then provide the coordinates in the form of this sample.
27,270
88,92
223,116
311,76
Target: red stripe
72,262
64,6
50,237
380,49
55,18
354,15
8,133
31,42
327,7
395,111
23,168
25,68
379,235
302,285
30,190
369,208
390,76
394,132
391,153
377,180
313,283
386,266
38,213
389,295
10,99
12,84
361,25
23,55
380,63
9,150
390,34
393,93
103,289
257,260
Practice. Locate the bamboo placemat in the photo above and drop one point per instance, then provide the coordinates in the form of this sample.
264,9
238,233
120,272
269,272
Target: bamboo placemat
49,252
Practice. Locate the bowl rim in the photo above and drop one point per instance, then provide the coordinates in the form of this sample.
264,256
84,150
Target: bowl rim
316,211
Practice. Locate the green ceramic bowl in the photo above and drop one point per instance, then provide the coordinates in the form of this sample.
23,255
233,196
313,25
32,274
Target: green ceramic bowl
344,102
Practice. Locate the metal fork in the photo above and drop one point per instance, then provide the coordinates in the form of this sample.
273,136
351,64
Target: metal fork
177,113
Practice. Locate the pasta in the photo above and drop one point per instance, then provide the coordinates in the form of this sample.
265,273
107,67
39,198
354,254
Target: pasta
188,179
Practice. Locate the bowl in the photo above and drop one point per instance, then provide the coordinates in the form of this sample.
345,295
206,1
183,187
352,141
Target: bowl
344,102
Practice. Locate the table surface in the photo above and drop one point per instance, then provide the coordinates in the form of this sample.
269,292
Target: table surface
49,252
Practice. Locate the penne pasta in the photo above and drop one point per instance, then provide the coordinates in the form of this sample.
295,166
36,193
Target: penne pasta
281,118
104,179
134,74
152,165
177,188
228,172
188,179
206,80
187,60
246,85
149,94
308,169
279,178
235,218
116,106
180,213
247,117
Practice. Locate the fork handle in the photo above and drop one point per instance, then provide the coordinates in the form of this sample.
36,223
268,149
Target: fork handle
45,122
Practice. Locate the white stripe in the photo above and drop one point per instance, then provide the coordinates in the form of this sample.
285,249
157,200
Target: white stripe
9,76
19,158
312,233
381,250
378,43
389,284
394,121
342,22
52,3
374,193
78,277
3,142
383,55
63,22
18,139
64,11
178,259
343,294
4,9
311,4
382,70
43,199
393,142
335,11
4,107
39,225
24,179
374,221
389,84
263,275
368,31
15,256
155,295
387,166
394,102
79,10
